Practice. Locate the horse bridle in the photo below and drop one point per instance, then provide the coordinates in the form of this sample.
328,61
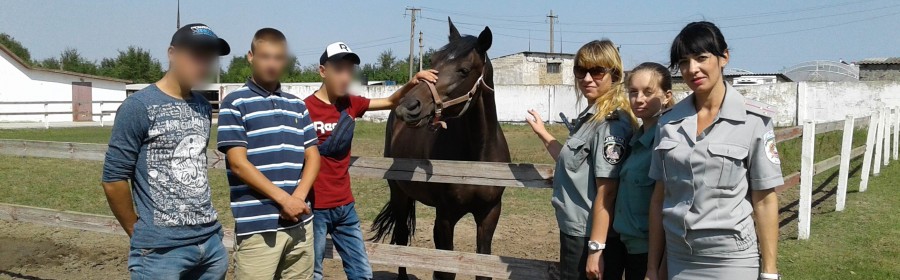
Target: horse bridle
440,104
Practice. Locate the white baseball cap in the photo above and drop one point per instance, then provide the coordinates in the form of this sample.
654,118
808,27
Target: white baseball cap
338,51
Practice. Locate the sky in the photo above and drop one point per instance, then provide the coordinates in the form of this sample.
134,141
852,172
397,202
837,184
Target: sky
763,36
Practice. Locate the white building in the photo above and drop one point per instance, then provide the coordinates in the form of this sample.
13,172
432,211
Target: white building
534,68
30,94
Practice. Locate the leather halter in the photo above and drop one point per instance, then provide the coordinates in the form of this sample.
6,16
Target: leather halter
440,104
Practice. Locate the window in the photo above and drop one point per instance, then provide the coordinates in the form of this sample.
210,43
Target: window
553,67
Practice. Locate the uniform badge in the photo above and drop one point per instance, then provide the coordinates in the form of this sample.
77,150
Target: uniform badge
771,150
613,149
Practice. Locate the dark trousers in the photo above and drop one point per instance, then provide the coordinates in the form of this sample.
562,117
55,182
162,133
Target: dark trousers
617,262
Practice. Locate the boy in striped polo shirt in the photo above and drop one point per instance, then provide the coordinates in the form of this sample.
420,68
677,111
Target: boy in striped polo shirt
272,161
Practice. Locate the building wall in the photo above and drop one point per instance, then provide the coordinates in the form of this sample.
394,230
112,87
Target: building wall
879,72
19,84
519,69
794,102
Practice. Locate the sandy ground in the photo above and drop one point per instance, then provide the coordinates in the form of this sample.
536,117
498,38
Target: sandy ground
29,251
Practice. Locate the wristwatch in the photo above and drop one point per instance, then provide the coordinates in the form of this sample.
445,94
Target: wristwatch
769,276
595,246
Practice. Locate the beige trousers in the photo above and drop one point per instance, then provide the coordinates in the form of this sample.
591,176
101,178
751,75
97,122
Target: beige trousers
284,254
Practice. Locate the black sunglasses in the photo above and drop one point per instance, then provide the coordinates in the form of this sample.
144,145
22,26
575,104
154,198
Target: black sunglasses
597,72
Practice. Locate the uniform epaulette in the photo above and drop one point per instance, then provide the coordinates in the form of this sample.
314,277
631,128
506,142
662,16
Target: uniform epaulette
614,115
760,108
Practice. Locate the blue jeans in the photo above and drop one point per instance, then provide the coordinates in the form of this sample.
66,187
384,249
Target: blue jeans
206,260
343,225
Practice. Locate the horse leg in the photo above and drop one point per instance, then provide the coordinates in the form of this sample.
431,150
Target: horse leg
444,225
486,222
403,229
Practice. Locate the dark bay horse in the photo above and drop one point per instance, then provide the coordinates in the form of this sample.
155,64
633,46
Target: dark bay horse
462,101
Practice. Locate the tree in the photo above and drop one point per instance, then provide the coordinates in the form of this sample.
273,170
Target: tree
238,70
72,60
16,47
135,64
49,63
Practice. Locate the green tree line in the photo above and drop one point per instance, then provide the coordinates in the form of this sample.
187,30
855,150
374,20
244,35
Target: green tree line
137,65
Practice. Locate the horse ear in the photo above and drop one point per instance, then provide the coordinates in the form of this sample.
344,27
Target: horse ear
485,39
454,34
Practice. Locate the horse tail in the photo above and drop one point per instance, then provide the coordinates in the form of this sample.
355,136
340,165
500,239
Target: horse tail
386,223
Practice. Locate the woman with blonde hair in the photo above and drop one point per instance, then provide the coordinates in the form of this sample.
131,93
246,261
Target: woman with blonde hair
587,166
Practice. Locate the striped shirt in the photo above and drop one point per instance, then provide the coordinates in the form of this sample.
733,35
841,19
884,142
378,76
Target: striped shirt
276,130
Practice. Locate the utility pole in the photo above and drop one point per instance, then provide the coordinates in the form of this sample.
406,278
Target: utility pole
421,46
412,32
178,16
529,39
552,18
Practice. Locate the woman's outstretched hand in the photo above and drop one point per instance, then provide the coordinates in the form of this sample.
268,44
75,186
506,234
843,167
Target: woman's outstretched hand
536,122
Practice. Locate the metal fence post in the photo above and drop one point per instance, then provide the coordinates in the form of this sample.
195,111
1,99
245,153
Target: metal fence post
46,115
807,159
879,142
867,157
886,136
101,114
844,173
896,122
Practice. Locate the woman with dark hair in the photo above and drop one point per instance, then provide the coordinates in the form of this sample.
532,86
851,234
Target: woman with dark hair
587,166
650,92
714,211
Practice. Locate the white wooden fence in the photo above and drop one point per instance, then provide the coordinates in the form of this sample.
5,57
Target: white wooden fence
876,152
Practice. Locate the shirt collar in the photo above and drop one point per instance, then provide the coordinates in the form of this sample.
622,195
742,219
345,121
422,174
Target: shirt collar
260,90
644,138
733,105
587,112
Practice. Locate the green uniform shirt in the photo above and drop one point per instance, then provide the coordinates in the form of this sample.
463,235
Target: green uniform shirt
708,177
595,149
635,189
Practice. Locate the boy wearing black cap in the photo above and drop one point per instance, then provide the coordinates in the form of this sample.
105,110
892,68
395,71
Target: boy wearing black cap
333,111
159,143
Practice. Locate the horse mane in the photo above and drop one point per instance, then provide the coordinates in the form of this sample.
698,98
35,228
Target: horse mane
456,49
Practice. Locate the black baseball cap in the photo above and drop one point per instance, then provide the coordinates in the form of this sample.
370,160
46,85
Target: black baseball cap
337,51
199,36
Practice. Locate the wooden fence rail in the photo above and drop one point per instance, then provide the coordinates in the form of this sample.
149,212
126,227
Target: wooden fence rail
380,254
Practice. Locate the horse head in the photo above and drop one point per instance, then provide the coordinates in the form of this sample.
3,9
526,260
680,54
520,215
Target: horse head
462,65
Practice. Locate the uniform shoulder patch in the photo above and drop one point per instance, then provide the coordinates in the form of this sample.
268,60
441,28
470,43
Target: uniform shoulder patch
760,108
771,149
613,149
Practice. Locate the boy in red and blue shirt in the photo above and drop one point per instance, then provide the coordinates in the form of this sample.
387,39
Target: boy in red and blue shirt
333,111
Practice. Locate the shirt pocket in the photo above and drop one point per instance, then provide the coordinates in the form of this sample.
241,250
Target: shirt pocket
726,166
665,148
579,150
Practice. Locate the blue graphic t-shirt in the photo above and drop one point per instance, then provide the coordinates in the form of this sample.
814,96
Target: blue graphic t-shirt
159,143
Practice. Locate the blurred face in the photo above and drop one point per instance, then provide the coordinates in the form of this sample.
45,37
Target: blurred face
593,82
646,97
268,60
337,76
192,67
702,72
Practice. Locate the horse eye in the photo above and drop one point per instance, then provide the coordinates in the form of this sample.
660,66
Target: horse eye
463,71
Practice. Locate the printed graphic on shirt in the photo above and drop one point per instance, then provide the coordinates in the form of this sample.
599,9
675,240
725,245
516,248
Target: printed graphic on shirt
176,164
613,149
322,127
771,150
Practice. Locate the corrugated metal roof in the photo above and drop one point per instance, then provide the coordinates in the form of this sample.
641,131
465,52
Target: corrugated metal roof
880,60
28,66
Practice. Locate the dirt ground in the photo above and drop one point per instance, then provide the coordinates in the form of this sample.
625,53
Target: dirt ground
29,251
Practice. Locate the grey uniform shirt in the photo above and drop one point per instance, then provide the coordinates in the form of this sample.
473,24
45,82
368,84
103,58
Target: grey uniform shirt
595,149
707,177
